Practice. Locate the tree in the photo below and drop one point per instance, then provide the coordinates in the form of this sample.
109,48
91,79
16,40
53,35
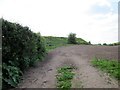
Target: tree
72,38
104,44
89,42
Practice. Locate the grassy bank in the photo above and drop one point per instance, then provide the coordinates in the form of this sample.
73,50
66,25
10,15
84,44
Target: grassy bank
110,66
54,42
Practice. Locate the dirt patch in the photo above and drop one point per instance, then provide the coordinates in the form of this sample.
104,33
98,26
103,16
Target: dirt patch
43,75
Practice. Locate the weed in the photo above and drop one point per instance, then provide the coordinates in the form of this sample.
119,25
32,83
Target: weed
64,77
110,66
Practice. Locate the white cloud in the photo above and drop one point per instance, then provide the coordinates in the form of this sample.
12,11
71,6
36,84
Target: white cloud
60,17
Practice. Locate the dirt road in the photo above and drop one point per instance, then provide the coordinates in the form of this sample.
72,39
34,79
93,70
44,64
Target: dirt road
43,75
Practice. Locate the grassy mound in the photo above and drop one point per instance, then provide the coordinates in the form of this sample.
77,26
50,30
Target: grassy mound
54,42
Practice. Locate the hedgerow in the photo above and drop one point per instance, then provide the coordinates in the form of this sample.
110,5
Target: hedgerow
21,48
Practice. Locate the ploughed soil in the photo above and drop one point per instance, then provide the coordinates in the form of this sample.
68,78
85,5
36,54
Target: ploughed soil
43,74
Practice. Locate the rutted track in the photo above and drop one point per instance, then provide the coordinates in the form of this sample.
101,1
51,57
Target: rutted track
43,74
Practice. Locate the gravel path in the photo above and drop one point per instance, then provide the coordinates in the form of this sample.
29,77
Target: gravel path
43,74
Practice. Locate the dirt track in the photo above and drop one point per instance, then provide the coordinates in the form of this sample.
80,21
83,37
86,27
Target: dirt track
43,74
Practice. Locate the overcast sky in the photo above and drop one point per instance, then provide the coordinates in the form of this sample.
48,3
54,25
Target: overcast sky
92,20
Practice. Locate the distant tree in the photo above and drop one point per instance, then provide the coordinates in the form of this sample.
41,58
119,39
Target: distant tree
89,42
115,44
104,44
72,38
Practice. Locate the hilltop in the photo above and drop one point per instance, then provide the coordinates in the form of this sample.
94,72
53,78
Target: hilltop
52,42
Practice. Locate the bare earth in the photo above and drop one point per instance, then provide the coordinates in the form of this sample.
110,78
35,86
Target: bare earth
43,75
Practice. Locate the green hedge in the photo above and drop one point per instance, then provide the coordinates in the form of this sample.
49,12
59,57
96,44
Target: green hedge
21,48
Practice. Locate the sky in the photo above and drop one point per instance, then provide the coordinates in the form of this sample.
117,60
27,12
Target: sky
92,20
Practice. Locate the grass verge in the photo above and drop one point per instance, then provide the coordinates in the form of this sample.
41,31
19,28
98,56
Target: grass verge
110,66
64,77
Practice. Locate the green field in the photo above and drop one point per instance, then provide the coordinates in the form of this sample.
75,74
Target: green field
54,42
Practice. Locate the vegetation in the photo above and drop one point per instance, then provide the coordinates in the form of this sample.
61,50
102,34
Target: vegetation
72,38
64,77
110,66
104,44
99,44
114,44
111,44
89,42
21,48
54,42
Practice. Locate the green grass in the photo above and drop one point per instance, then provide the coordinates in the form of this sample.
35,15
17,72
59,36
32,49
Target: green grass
54,42
64,77
110,66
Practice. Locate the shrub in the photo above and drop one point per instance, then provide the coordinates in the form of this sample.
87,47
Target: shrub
89,43
21,48
114,44
104,44
11,75
72,38
110,45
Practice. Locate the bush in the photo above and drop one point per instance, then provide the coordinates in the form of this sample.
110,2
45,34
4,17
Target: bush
114,44
11,76
72,38
21,48
104,44
89,43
